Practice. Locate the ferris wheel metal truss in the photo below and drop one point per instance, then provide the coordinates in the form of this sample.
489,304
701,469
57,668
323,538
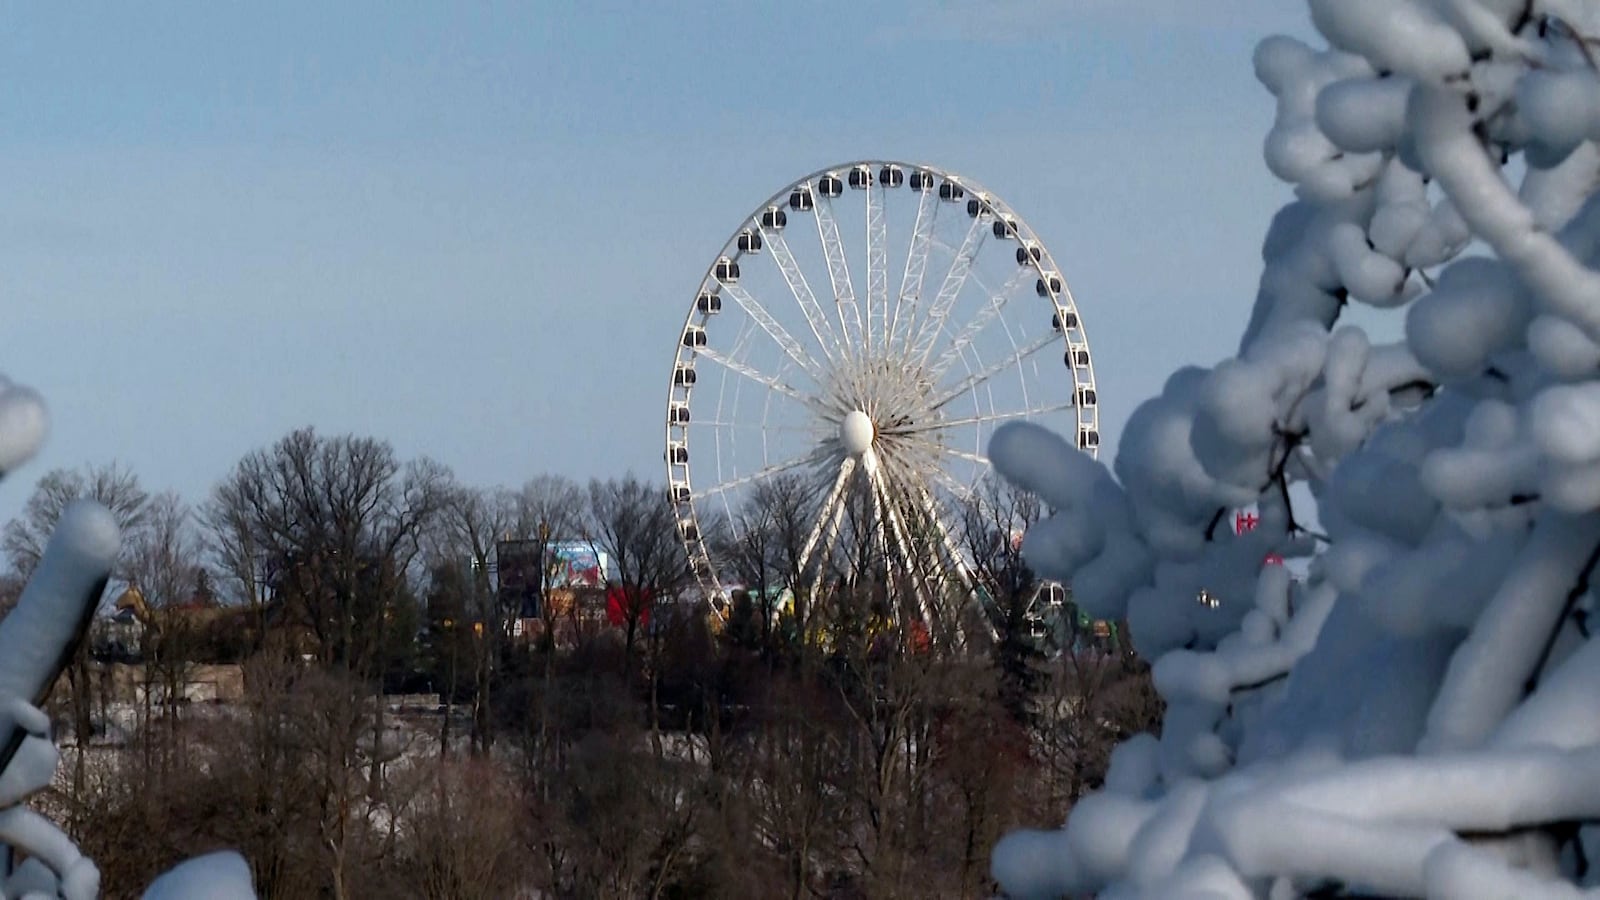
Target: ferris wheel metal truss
874,377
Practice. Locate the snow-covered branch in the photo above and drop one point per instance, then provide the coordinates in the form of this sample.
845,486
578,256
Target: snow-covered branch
1408,713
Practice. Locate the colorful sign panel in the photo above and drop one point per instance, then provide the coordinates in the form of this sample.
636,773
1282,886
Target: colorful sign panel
575,564
567,564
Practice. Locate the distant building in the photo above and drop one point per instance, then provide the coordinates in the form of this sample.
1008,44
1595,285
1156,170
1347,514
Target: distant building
570,572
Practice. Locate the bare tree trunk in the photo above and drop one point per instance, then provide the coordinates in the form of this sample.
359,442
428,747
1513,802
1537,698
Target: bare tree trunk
375,777
449,697
482,738
82,717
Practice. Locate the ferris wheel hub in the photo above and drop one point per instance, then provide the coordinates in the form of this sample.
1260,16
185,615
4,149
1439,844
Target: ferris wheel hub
856,432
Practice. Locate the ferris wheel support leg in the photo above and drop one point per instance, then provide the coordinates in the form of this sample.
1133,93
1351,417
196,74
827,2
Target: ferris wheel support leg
830,507
956,563
829,544
919,586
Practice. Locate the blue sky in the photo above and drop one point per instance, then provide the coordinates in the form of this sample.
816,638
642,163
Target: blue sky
474,230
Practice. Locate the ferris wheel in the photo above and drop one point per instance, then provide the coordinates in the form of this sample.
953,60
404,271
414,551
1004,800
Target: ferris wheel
848,353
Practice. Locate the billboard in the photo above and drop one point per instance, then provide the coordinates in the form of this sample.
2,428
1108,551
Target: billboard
565,564
517,569
576,564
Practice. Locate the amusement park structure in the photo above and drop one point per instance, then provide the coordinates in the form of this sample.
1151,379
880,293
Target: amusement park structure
900,315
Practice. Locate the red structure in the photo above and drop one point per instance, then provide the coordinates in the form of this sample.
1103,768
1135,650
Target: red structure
1244,521
620,601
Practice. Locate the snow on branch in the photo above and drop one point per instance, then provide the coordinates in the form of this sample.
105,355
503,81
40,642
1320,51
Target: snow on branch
1406,707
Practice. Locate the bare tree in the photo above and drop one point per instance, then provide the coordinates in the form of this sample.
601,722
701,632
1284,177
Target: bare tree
465,833
1091,702
162,557
549,504
24,540
762,545
470,523
164,574
634,523
338,524
335,526
231,542
992,520
550,510
111,485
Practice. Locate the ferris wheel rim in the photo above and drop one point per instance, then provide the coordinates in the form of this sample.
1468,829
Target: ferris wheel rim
1071,333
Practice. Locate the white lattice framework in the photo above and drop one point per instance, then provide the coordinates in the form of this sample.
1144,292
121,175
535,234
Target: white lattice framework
880,407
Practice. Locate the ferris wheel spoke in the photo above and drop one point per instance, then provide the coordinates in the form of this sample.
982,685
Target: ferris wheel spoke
956,488
828,515
757,375
812,458
877,267
844,292
916,269
989,312
921,500
795,277
982,375
762,426
922,427
740,341
927,331
952,452
922,463
969,456
937,567
773,329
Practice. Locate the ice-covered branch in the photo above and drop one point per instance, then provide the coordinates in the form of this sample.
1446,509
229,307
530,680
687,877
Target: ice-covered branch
23,423
1409,713
37,640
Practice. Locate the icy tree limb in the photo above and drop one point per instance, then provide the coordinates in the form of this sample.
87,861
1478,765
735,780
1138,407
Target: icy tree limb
22,827
23,423
1449,147
1489,670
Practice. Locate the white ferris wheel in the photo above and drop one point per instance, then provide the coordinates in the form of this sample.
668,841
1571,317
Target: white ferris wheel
852,347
